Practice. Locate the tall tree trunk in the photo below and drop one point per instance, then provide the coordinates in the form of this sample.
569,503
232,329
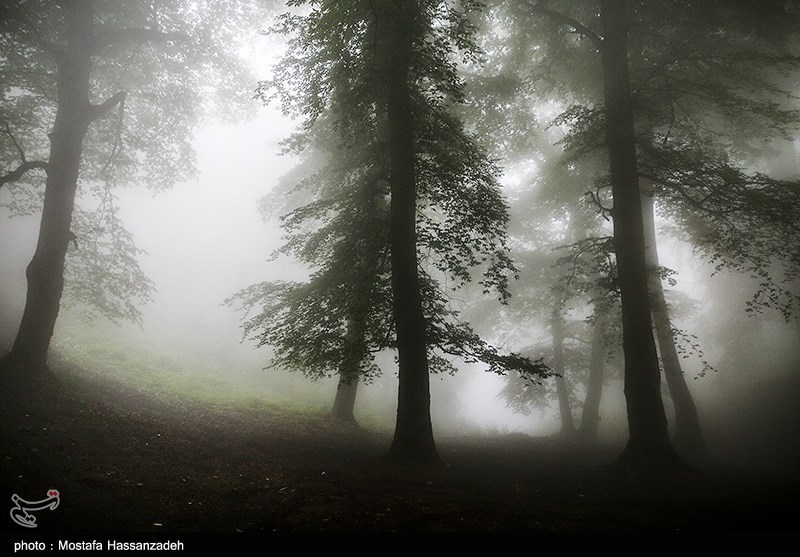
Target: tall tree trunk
413,436
648,442
45,273
688,435
590,416
557,332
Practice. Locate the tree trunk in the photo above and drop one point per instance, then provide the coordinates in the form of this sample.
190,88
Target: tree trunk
345,401
45,273
590,416
354,353
648,442
413,437
688,435
557,332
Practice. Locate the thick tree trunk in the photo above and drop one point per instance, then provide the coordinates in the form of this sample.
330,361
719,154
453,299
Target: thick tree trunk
45,273
557,333
688,435
413,437
590,416
648,442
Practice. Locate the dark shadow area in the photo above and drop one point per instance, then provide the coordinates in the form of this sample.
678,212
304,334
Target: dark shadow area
129,462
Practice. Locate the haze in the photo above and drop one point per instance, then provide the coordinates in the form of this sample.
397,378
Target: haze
517,156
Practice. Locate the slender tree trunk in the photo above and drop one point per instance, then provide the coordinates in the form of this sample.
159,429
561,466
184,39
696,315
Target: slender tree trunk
688,435
370,261
413,437
590,417
345,402
557,332
648,442
45,273
349,370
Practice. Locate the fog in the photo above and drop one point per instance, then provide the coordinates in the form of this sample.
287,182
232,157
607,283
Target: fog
206,239
213,233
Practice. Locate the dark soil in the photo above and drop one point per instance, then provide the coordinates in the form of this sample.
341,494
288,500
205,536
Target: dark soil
131,462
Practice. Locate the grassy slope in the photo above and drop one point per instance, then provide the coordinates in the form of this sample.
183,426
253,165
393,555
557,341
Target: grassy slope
132,448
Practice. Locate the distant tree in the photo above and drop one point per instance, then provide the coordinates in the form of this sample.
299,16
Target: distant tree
703,101
671,95
68,67
570,290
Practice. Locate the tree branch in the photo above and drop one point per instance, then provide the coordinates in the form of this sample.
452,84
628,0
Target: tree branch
17,173
576,25
97,110
17,146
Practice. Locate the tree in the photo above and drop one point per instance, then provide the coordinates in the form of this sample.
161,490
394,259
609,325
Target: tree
682,88
647,423
598,351
57,58
376,83
688,435
571,291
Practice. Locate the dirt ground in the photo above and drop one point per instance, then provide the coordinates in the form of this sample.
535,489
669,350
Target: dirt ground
125,462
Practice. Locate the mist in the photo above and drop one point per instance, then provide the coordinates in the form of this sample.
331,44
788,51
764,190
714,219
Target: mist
399,268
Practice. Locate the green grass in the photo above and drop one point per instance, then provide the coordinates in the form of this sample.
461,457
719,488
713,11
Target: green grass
104,352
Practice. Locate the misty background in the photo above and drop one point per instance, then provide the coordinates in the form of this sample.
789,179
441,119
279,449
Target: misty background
205,239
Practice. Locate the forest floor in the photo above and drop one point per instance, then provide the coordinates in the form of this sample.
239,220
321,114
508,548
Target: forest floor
134,461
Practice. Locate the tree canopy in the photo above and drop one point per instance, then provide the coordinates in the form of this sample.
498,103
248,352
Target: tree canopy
156,71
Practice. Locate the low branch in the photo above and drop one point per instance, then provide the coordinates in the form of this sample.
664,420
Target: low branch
576,25
20,171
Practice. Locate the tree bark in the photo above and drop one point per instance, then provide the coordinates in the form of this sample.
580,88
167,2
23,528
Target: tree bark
413,441
557,333
648,443
345,402
354,351
45,273
688,435
590,416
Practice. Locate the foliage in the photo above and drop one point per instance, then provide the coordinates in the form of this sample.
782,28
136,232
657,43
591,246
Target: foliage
162,66
105,279
343,313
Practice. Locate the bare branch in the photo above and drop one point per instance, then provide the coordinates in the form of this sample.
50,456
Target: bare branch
558,17
97,110
20,171
20,152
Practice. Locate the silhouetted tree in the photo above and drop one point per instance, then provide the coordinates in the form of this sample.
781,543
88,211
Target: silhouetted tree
672,96
376,82
58,59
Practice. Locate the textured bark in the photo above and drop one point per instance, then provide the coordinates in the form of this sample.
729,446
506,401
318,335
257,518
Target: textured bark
590,416
413,436
688,435
648,442
557,333
45,273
